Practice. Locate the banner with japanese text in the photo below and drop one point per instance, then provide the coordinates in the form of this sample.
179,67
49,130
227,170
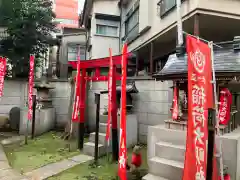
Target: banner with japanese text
110,82
76,103
175,104
3,67
30,87
200,98
224,113
122,147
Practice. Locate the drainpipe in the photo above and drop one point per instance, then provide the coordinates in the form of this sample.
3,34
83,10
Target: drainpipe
120,27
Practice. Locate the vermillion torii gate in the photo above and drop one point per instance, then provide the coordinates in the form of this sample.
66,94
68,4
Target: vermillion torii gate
96,65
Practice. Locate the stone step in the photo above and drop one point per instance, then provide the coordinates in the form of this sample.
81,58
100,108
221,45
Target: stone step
160,133
152,177
89,149
101,138
103,127
165,168
103,118
170,151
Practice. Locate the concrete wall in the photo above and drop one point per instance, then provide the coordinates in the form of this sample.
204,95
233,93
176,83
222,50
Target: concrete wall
16,92
151,104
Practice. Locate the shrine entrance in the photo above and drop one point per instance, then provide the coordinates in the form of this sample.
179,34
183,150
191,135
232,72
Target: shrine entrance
95,66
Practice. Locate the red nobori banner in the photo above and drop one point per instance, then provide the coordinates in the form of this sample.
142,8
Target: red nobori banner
30,87
123,149
175,104
110,82
224,112
77,92
3,67
200,98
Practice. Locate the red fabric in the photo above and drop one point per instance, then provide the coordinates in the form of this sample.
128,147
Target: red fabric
109,96
96,63
123,150
226,177
137,159
199,100
30,87
77,94
224,113
3,67
175,104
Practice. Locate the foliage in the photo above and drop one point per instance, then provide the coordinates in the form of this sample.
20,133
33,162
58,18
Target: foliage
29,24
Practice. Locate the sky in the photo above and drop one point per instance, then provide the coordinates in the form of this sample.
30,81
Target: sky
81,4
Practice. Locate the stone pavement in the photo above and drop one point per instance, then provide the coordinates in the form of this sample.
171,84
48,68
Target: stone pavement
6,172
58,167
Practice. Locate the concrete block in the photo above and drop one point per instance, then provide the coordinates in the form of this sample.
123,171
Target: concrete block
45,121
142,139
152,177
152,96
156,119
170,151
101,138
166,168
103,127
142,117
143,129
88,149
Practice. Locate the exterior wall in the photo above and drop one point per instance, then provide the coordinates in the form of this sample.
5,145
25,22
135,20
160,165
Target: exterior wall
66,13
151,104
100,43
149,16
16,95
73,39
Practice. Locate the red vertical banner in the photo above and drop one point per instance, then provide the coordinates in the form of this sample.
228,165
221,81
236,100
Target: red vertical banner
224,113
30,87
110,83
123,149
82,96
199,100
3,67
77,92
175,104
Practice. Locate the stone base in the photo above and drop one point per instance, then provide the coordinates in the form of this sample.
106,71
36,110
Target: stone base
182,125
44,121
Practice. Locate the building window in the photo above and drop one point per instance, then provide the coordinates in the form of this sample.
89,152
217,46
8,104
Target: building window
132,25
72,51
106,30
67,21
166,6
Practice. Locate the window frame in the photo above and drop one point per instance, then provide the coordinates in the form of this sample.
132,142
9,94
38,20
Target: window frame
107,26
164,12
76,46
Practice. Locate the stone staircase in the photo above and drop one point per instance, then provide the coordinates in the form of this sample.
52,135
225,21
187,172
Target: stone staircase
166,153
89,147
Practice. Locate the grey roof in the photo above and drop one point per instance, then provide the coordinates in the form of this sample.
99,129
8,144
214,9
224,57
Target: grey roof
225,61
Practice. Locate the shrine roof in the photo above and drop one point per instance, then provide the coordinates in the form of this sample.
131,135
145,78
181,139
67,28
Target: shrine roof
226,62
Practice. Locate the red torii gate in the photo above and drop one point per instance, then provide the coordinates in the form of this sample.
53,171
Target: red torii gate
97,64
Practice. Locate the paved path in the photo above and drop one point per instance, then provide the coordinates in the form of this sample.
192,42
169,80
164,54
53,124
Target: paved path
6,172
58,167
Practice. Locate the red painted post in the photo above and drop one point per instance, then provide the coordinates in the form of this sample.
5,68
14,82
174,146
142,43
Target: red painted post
82,109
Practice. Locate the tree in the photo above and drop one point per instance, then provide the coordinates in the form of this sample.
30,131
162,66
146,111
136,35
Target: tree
29,26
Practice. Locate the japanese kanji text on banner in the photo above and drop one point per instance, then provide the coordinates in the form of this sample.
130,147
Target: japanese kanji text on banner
200,98
3,67
30,87
77,93
123,144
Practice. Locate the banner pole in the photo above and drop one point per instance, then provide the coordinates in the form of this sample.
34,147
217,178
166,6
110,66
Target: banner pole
216,108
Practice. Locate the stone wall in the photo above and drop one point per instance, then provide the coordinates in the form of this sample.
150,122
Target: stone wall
16,92
151,104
